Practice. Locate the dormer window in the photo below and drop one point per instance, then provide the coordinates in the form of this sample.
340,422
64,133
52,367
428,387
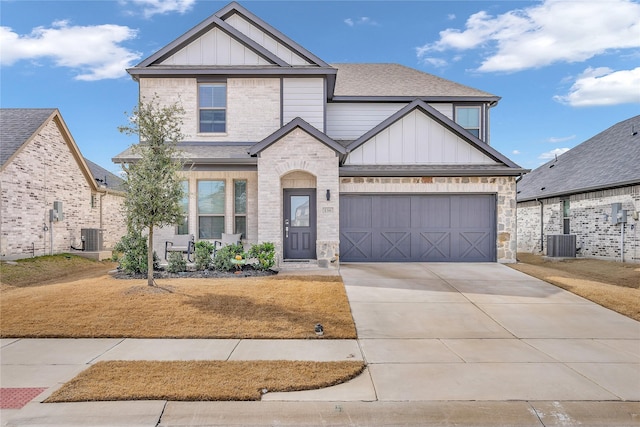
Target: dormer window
469,118
212,107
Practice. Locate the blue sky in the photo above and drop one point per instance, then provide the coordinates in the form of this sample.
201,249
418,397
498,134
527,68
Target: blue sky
566,70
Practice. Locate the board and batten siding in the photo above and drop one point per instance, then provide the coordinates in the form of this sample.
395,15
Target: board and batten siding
304,98
351,120
265,40
416,139
215,47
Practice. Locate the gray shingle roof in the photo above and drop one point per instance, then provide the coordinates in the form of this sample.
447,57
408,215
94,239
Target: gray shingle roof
104,178
377,80
17,126
203,152
609,159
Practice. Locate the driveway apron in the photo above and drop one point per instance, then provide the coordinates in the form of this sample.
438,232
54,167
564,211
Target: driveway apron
483,331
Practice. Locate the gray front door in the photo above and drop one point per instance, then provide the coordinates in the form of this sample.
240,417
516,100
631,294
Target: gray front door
300,223
433,227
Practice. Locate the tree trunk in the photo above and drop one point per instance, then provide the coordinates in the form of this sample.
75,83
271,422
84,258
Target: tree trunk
150,280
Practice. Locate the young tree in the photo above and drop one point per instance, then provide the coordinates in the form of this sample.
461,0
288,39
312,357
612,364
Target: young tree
153,187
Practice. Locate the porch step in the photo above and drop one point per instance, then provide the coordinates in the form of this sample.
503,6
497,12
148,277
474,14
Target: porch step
299,263
305,267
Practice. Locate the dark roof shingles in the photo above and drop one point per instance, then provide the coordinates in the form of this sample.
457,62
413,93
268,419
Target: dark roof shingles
17,125
609,159
384,80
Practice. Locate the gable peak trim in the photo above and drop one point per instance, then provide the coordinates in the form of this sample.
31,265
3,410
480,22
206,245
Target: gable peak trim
297,123
425,108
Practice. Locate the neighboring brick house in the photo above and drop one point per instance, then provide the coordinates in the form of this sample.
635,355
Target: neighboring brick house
579,192
349,162
40,165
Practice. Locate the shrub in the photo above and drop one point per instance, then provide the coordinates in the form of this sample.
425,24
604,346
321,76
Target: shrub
264,254
222,260
204,249
133,247
177,263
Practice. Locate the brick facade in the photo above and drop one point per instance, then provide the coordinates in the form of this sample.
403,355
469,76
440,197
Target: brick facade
503,187
253,106
295,160
589,220
43,171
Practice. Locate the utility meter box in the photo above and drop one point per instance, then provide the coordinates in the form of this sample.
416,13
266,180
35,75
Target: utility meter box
56,213
617,214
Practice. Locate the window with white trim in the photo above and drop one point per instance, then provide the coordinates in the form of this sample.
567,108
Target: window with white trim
469,118
212,107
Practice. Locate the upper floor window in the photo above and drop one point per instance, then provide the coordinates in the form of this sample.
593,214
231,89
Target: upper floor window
469,118
212,107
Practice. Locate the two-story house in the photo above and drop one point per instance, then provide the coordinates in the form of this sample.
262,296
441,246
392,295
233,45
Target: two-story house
331,162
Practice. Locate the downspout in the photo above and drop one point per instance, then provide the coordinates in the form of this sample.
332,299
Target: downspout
541,225
101,207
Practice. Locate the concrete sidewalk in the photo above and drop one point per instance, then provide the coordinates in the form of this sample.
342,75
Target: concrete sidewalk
445,344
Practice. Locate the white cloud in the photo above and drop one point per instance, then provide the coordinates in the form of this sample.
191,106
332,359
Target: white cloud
516,152
155,7
436,62
554,31
603,86
451,17
552,154
93,51
557,139
363,20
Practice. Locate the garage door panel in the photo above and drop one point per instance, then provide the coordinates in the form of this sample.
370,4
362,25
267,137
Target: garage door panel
471,211
357,245
356,212
432,228
394,245
434,246
431,212
400,207
474,246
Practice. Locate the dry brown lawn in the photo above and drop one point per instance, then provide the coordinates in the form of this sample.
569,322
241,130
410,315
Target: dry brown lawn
613,285
101,306
201,380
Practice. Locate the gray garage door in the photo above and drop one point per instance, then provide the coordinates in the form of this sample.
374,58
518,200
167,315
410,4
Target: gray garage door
436,228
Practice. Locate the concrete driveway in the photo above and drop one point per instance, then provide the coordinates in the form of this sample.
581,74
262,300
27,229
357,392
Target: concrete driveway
441,331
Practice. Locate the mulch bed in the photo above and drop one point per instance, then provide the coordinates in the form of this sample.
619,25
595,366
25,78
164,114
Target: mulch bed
203,274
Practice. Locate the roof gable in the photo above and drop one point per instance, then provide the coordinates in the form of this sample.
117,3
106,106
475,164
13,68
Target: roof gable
19,126
609,159
433,137
286,129
233,36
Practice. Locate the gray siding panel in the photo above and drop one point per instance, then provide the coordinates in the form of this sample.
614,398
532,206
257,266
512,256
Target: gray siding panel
304,98
417,228
351,120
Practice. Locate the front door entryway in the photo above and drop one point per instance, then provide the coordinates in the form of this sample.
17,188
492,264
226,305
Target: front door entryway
299,223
